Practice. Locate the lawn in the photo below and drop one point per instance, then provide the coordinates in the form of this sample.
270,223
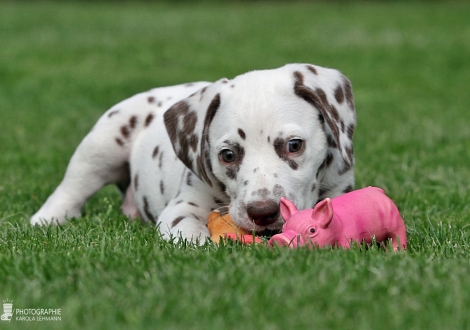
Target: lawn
63,64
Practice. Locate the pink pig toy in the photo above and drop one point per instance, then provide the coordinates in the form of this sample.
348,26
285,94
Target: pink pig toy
356,216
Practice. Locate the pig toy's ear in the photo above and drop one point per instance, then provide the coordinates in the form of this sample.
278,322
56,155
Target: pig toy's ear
323,213
287,208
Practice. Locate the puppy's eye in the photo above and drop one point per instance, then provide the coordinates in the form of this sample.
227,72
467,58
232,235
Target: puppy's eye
227,156
294,145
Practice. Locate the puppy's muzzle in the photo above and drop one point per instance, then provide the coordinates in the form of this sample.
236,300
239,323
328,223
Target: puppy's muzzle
263,213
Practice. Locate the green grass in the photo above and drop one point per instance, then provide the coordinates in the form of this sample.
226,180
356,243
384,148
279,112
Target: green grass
63,64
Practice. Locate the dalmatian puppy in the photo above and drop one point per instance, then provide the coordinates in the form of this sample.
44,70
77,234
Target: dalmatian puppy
179,152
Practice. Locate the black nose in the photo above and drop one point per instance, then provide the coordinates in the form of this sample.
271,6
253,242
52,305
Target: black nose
263,213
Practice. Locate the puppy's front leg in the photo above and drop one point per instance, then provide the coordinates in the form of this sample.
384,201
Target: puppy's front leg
186,214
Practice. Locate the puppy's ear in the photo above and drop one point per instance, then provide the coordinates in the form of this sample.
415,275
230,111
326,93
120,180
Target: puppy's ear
187,123
331,93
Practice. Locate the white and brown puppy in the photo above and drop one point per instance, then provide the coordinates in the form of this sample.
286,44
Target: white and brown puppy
181,151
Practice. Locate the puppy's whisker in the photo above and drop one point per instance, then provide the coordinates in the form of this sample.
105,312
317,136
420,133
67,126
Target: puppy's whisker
223,209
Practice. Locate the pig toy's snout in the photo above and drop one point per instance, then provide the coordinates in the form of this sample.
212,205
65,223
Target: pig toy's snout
288,238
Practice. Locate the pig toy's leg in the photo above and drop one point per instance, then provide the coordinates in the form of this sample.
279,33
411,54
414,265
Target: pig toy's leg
399,239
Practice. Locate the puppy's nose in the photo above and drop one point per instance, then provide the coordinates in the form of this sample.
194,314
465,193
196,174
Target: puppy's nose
263,213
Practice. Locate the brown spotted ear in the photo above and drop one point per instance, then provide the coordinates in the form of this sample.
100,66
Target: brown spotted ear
331,93
187,123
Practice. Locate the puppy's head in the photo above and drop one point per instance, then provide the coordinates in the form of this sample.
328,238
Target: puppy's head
266,135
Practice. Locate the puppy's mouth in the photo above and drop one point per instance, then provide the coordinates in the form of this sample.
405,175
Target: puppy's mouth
268,233
267,229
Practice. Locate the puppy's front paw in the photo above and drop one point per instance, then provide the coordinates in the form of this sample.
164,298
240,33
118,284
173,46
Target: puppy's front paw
46,217
187,228
41,220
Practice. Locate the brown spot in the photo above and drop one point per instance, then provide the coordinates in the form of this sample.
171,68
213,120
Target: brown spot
346,167
150,99
326,163
263,192
350,131
331,141
193,141
188,179
112,113
233,168
245,183
322,95
119,141
149,119
293,164
160,160
278,191
193,204
350,153
176,221
159,104
125,131
279,147
185,142
210,114
231,172
319,100
328,159
348,92
222,187
189,122
314,186
218,201
147,212
212,109
133,121
334,112
348,189
162,187
192,95
241,133
155,152
171,119
136,182
182,139
312,69
339,94
184,156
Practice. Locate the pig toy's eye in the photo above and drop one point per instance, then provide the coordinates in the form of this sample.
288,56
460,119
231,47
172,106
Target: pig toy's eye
312,230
